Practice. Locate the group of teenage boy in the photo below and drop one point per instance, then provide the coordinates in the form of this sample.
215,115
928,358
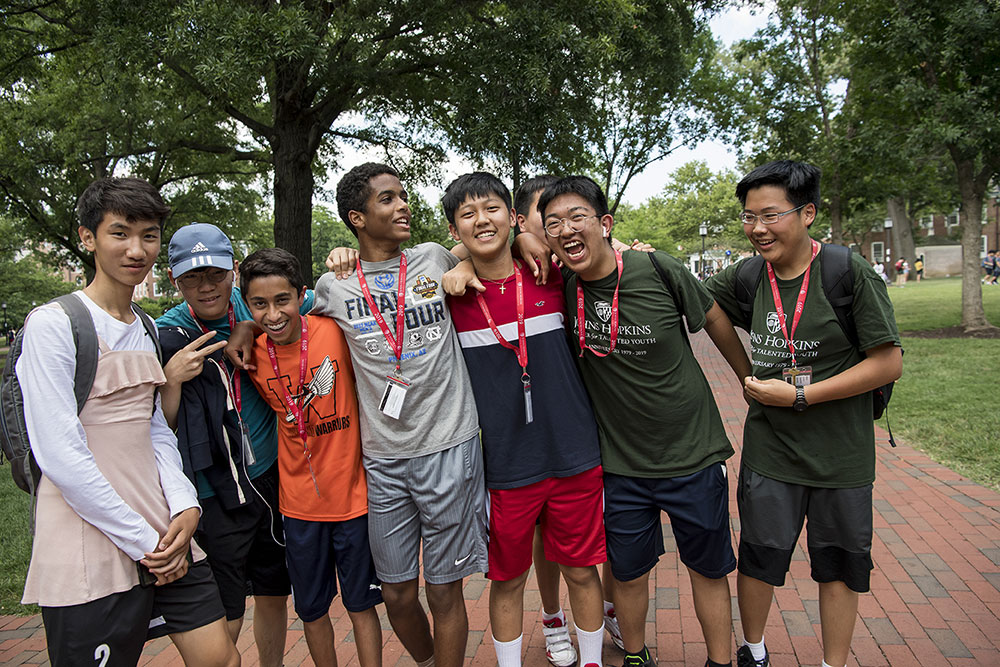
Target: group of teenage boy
375,425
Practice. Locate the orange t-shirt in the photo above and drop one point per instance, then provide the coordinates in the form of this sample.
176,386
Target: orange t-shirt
332,429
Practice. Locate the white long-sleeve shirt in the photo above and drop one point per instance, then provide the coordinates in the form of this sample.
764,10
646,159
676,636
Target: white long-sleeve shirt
46,370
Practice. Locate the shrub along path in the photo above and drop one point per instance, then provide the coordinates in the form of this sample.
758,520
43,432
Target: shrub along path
935,596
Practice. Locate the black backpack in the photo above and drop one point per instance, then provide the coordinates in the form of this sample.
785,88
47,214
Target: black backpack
13,431
838,286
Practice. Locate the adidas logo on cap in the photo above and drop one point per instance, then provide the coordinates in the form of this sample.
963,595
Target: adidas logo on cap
199,247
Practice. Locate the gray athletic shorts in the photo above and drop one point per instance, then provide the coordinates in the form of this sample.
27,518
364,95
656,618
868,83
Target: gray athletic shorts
838,536
439,498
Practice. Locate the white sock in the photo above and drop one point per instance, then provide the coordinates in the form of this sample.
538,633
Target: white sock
508,653
591,644
825,664
757,650
429,662
608,606
558,614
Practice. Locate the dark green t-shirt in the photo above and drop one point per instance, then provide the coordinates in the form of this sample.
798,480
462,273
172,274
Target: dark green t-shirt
830,444
656,416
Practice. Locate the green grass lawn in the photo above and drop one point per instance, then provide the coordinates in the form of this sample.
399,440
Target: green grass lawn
946,404
936,304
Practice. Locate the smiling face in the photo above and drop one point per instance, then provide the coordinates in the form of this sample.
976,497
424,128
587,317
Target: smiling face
124,251
483,226
587,252
207,290
274,304
783,243
386,218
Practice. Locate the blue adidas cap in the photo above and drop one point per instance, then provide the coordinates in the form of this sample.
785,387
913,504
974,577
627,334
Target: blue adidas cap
197,246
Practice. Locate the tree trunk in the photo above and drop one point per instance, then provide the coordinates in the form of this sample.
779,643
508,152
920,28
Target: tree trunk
836,213
293,190
973,316
902,231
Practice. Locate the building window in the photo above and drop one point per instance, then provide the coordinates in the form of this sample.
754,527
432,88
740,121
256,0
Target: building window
952,220
878,250
983,241
927,222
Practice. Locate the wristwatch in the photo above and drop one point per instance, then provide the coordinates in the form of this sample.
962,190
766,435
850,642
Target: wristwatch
800,403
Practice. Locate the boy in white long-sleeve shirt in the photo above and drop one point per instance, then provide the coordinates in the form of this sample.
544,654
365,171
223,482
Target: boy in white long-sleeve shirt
112,561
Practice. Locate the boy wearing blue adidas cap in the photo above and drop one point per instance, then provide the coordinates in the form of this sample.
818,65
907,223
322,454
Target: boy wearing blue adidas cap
240,527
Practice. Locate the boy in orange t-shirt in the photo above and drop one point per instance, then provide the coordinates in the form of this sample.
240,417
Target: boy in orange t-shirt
303,370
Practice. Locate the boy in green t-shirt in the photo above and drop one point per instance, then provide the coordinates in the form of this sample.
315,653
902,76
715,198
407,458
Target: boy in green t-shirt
809,446
663,446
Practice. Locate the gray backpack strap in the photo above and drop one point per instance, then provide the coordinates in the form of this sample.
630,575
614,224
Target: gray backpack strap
85,338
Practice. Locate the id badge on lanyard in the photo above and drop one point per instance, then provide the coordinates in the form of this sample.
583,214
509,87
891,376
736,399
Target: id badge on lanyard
396,385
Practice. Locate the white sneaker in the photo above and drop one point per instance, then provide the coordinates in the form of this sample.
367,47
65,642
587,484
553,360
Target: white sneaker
611,625
558,647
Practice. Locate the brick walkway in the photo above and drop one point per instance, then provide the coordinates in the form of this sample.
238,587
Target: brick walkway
935,596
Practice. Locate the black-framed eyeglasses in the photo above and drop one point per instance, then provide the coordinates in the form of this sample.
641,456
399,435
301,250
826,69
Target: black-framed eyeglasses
767,218
554,226
196,278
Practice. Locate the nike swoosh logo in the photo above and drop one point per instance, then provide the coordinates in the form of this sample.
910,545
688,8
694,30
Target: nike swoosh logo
462,560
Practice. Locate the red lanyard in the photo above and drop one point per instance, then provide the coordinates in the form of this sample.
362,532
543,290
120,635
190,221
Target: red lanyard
581,319
799,303
290,403
236,372
522,342
397,342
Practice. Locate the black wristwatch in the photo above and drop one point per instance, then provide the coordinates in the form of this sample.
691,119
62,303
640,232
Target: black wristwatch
800,403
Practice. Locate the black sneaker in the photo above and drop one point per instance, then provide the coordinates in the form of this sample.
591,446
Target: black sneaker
744,658
642,660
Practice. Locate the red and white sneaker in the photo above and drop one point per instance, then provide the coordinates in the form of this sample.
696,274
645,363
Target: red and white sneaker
611,625
558,647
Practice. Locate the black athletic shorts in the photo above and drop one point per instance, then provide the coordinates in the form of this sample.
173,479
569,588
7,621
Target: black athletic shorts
838,535
245,546
111,631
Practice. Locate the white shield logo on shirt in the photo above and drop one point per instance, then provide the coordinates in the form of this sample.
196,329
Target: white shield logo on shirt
773,322
603,310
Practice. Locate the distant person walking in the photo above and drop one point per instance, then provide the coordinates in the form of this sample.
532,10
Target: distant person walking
990,268
918,268
902,270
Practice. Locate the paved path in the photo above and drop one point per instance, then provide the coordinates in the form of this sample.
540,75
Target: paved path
935,596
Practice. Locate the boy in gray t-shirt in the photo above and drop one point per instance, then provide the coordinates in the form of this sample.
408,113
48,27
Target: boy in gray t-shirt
419,426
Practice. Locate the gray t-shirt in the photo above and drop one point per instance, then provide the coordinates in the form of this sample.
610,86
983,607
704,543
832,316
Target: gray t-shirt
439,411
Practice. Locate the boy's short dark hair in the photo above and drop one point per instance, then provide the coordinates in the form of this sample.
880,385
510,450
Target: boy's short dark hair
522,198
355,187
576,185
468,186
133,198
271,262
800,181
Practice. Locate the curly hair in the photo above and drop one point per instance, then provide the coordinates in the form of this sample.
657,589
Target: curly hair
355,187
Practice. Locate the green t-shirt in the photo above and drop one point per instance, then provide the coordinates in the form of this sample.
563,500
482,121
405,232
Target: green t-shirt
830,444
656,416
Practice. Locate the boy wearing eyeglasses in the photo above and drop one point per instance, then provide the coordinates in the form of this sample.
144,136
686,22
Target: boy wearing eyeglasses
240,527
808,443
663,446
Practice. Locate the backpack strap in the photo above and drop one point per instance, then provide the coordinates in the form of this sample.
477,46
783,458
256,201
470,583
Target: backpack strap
748,275
85,338
674,294
150,327
838,286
